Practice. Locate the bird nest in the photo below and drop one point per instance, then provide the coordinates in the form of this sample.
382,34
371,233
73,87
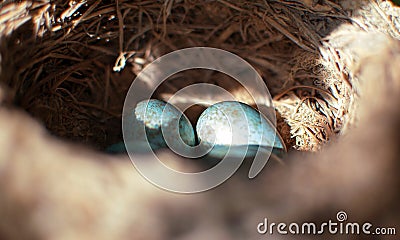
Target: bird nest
69,64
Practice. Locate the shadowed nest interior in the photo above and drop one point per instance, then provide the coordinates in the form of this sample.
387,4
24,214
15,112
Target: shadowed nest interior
70,64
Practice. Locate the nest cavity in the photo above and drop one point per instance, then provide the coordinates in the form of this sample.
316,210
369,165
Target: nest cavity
70,63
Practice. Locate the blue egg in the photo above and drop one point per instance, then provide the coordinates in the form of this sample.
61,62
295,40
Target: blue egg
238,126
159,119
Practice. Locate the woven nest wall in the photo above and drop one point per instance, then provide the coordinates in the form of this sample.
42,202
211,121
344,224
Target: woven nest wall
331,68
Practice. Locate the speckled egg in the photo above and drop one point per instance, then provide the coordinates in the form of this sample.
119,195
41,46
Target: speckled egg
157,116
236,125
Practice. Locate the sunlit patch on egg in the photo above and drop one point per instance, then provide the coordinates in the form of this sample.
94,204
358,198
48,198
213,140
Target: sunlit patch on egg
237,126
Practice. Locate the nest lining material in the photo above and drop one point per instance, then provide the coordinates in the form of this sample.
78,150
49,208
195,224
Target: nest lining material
73,72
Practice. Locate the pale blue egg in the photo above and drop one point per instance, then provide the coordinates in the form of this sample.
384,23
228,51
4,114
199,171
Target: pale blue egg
237,126
155,116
